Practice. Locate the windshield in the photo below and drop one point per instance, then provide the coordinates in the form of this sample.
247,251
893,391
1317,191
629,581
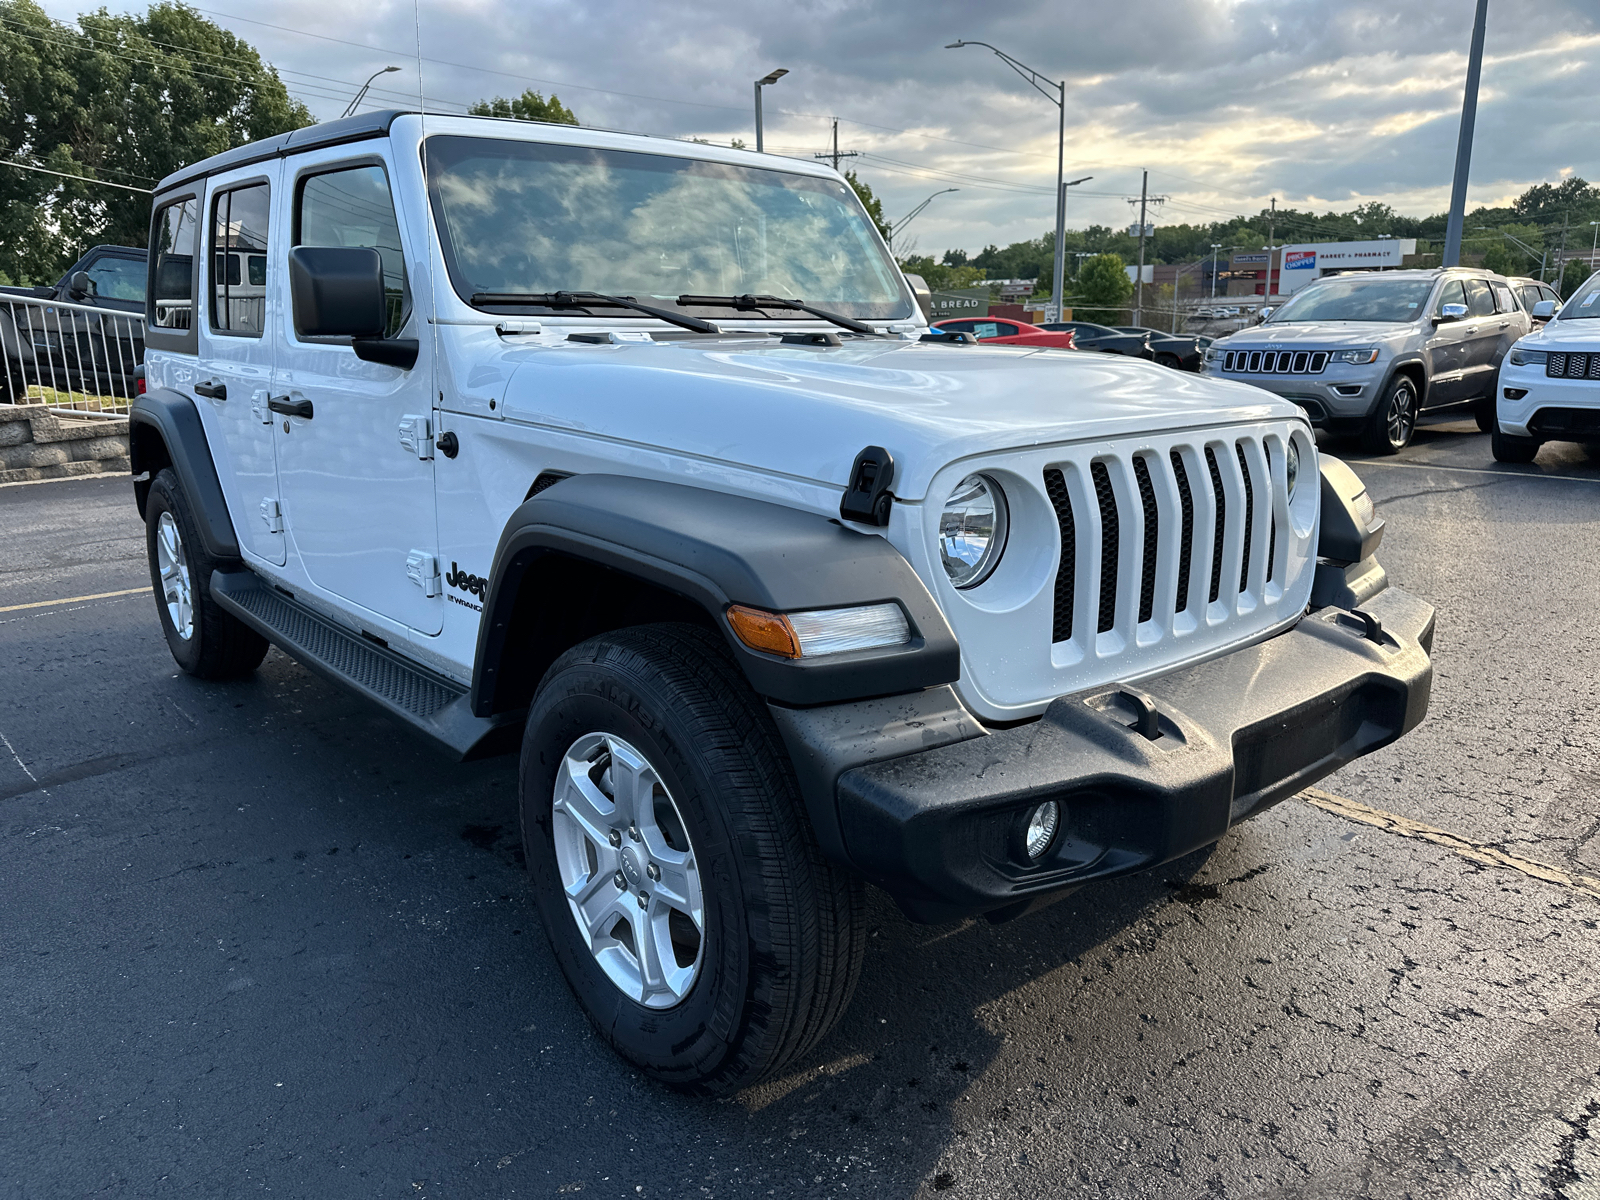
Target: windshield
1356,299
529,217
1585,302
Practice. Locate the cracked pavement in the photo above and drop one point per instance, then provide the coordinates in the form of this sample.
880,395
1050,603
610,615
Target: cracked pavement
255,937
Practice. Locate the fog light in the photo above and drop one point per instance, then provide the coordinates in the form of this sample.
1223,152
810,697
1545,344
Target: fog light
1516,393
1041,829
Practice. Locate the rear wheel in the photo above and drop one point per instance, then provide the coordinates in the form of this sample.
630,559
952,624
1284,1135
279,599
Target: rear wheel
205,640
1394,420
1508,448
1168,360
681,887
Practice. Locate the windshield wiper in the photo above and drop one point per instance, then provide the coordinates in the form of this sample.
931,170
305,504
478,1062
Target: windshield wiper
588,300
757,303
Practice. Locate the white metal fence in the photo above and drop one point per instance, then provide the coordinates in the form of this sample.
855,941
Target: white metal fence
72,357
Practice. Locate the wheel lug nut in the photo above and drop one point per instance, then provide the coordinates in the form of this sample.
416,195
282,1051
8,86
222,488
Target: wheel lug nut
633,832
615,837
620,880
644,899
653,871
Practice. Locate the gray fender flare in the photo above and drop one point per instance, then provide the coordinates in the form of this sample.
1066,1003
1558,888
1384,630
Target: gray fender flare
715,550
172,418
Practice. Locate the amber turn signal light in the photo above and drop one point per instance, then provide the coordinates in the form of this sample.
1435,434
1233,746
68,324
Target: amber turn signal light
768,632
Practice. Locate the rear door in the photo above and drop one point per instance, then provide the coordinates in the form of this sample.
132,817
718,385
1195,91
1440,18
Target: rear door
237,357
357,473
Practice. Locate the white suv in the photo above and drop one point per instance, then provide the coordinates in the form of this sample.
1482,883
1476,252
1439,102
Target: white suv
1549,387
636,456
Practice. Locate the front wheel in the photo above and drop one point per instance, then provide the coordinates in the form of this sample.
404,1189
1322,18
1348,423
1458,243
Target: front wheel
1508,448
1394,420
682,890
1168,360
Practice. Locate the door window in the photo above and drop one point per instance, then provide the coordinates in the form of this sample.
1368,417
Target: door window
1451,293
1504,301
118,278
1005,329
352,207
957,326
1479,301
985,329
239,232
172,264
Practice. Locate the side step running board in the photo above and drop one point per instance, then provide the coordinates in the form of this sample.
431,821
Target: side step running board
429,703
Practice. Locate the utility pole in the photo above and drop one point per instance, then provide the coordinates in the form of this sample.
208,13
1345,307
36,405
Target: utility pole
1215,246
836,153
1561,255
1138,283
1469,115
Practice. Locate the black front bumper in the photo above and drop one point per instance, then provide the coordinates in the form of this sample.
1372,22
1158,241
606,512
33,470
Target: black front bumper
1142,774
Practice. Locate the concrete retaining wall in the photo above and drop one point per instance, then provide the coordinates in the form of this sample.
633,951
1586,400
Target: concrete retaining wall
36,443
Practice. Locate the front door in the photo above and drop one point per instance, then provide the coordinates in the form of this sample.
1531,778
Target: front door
236,358
1447,349
357,473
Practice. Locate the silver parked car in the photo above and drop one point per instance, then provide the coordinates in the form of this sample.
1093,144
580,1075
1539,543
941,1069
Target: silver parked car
1367,353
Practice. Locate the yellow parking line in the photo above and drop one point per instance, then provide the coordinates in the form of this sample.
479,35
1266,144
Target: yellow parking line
1351,810
73,600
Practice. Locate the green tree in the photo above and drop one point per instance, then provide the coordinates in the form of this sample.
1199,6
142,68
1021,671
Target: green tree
871,203
1103,290
1572,276
1499,260
940,276
530,106
123,98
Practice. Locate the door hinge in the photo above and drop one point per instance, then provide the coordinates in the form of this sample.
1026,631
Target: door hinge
258,406
272,514
422,569
416,435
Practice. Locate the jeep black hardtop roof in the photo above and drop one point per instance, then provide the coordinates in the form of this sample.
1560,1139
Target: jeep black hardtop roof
358,128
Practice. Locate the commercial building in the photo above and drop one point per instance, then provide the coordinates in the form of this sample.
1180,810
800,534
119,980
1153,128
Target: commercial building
1289,268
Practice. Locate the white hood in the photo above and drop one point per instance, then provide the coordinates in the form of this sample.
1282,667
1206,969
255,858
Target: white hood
807,412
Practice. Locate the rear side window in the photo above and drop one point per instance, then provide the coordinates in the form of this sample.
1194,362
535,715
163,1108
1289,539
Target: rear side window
352,207
1480,303
239,219
118,278
1504,301
1004,329
174,237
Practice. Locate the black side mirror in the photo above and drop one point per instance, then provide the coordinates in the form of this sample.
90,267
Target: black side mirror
337,291
79,285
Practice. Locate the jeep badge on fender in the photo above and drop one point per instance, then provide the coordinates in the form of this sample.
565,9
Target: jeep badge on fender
781,600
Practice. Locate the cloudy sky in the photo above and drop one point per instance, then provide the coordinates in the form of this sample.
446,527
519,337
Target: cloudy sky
1323,104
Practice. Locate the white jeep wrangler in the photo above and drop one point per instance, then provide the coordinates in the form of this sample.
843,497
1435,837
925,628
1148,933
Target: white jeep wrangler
637,456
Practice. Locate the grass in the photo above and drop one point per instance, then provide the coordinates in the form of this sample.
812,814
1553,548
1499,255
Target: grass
84,402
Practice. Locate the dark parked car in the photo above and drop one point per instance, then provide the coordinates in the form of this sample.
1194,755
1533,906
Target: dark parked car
1089,336
67,347
1172,349
1531,291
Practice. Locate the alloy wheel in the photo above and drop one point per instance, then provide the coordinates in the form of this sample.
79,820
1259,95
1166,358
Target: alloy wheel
628,870
1401,418
173,565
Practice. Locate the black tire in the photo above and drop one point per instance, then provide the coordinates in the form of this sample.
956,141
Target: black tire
1508,448
783,931
1394,419
1484,410
1168,360
219,645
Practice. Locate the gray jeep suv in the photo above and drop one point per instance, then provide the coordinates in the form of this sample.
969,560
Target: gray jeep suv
1367,353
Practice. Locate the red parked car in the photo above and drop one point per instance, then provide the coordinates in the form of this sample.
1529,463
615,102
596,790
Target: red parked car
1003,332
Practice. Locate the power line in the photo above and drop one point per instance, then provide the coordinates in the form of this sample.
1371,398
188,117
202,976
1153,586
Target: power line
6,162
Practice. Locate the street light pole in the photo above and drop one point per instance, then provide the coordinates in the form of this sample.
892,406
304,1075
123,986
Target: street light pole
894,230
1059,99
770,78
1469,116
1215,246
362,94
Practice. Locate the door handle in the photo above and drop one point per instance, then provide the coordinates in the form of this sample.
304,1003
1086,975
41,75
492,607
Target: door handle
1505,324
290,408
211,391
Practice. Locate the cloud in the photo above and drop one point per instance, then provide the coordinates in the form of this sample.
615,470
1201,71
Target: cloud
1322,104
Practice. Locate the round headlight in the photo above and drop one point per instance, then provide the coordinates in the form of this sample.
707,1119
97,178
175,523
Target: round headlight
1292,464
972,530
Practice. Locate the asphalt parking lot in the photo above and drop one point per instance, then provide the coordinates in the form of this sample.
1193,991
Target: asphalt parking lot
254,938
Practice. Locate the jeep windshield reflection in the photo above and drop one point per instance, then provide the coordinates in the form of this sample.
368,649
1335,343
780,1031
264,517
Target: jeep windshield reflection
1356,299
1584,304
529,217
